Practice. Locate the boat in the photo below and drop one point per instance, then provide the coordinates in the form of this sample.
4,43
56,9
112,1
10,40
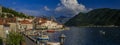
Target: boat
50,31
53,43
43,38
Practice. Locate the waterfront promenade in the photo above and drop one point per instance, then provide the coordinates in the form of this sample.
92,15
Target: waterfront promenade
29,41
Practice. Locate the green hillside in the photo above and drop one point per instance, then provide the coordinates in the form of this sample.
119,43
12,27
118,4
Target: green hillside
12,13
102,17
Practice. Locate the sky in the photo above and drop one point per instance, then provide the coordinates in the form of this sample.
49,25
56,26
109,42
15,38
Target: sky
58,7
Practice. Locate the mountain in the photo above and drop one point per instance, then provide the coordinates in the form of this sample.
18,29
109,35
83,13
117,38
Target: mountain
12,13
62,19
101,17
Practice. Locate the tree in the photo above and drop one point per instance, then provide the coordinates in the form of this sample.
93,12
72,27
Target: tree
14,38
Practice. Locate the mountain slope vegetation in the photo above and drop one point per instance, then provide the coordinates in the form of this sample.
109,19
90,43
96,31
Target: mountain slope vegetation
12,13
102,17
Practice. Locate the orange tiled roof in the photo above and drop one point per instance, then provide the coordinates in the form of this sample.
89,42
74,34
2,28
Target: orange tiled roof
7,20
25,22
43,20
11,20
1,22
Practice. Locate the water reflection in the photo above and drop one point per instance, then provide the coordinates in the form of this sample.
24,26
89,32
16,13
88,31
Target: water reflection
89,36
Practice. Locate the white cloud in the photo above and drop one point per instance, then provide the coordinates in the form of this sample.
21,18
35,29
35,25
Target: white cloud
70,7
46,8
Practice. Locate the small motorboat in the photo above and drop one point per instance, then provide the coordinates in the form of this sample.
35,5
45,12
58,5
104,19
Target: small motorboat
43,38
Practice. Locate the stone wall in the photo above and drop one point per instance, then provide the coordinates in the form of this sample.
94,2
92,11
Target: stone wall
12,26
2,32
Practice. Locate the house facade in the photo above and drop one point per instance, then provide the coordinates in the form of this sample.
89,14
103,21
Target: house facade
25,25
43,23
4,28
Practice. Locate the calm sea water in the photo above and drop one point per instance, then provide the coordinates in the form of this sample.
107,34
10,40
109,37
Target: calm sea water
89,36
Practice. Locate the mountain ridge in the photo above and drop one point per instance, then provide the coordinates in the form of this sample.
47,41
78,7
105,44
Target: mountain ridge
101,16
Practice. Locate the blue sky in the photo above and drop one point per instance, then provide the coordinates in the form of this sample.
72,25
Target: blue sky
58,7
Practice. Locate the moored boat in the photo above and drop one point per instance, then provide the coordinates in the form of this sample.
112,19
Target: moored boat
50,31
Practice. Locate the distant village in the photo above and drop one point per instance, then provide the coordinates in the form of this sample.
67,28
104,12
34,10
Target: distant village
23,24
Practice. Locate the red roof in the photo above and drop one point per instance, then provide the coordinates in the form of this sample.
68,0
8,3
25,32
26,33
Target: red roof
7,20
1,22
12,20
25,22
43,20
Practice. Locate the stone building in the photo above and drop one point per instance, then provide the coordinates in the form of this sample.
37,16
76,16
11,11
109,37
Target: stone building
1,29
25,24
43,23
